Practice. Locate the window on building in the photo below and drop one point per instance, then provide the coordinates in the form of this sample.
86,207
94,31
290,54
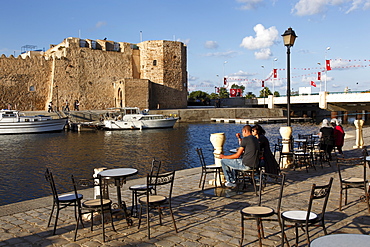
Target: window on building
154,62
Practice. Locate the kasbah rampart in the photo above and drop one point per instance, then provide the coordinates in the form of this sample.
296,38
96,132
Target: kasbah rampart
99,73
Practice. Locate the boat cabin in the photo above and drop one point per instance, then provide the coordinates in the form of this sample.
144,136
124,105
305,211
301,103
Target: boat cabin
11,116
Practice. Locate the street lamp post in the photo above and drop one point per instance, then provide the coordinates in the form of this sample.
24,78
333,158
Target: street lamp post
326,70
289,37
56,87
273,77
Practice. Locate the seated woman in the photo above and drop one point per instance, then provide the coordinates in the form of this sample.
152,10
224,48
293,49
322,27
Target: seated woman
326,138
267,158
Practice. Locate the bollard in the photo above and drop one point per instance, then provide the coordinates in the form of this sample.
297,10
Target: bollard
286,134
96,181
359,134
218,141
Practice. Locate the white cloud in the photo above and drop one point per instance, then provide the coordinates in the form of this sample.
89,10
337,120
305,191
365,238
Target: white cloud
221,54
211,44
100,24
241,74
314,7
192,78
336,86
264,38
250,4
263,54
185,41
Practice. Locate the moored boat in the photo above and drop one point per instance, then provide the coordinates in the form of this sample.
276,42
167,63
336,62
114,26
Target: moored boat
13,122
133,118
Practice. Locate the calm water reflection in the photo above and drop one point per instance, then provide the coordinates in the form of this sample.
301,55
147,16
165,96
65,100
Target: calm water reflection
26,157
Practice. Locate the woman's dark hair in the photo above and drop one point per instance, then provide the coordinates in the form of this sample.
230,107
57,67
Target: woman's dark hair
259,129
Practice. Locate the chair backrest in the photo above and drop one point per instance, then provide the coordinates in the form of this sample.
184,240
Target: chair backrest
269,178
278,147
201,158
365,152
304,136
154,171
356,161
319,192
88,183
49,177
160,180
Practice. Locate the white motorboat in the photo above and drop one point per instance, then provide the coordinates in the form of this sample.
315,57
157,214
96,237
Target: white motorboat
13,122
133,118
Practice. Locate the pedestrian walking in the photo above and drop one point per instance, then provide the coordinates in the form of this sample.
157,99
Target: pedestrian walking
67,106
50,106
77,105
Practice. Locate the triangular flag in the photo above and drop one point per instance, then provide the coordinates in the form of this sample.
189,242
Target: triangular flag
313,84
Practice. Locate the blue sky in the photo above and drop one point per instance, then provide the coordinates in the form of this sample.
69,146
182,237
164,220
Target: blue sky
239,39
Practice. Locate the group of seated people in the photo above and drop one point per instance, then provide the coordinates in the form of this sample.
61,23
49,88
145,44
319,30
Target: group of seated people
254,149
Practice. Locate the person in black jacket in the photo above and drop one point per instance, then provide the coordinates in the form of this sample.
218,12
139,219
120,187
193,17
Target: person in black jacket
326,138
267,159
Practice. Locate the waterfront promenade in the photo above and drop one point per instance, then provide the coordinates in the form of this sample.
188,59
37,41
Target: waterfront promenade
202,218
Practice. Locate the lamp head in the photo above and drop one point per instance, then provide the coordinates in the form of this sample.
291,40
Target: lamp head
289,37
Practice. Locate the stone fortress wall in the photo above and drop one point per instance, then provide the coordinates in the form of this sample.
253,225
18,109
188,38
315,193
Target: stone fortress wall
100,74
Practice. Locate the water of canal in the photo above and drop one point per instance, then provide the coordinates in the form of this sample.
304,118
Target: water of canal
26,157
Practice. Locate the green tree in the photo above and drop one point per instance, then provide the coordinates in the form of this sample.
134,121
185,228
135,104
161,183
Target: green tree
213,96
276,94
223,94
250,95
238,87
198,96
265,92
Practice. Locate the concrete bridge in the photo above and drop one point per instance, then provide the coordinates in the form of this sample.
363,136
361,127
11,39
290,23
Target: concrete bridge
350,101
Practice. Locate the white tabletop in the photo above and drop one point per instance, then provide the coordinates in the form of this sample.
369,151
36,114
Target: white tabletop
367,158
341,240
118,172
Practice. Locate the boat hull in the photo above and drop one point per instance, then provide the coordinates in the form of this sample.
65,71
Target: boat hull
51,125
147,124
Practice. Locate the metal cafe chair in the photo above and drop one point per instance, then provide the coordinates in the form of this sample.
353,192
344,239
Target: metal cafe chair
260,212
101,205
155,201
243,177
140,189
60,201
207,169
307,218
302,154
359,182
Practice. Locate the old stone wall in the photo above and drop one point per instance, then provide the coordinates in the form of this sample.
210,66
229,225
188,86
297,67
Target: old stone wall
24,83
164,62
100,74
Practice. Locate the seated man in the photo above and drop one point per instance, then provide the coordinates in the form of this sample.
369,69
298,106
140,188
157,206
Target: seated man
249,148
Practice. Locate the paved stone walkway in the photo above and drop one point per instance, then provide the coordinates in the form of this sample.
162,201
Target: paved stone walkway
203,218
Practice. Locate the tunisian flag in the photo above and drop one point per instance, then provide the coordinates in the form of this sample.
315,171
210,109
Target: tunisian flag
328,65
225,80
275,73
313,84
319,76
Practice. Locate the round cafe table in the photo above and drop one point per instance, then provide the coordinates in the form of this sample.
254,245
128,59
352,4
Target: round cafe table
119,175
341,240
